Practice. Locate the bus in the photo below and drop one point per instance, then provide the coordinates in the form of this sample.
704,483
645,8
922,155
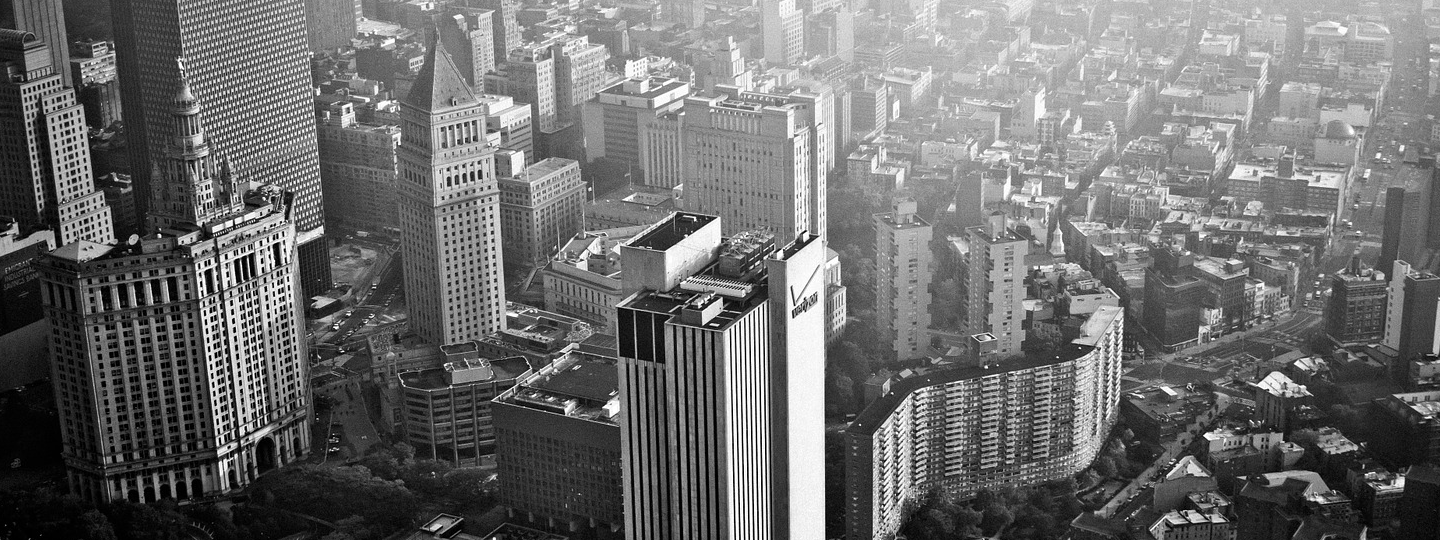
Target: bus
1365,176
1377,157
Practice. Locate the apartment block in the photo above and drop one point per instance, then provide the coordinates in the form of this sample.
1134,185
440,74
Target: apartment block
902,279
994,287
1016,422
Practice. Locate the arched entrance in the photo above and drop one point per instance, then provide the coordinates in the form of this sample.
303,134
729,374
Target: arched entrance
197,488
180,491
295,447
265,454
164,491
149,494
133,495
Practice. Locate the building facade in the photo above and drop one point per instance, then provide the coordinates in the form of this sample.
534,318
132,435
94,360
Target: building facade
751,159
331,24
1410,316
449,209
358,167
994,284
528,75
512,122
541,207
447,410
252,62
613,120
1356,309
194,333
783,31
93,71
902,279
557,444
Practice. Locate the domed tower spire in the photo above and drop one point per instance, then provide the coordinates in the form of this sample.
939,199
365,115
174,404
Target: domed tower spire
192,187
189,128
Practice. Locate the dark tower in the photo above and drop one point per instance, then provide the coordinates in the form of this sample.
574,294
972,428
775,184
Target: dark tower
45,19
1394,222
251,61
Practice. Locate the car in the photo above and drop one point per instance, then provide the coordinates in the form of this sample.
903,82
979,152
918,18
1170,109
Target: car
335,326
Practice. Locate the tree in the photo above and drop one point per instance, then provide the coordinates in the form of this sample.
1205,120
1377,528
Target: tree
148,522
929,524
994,518
1305,437
945,303
840,396
45,513
852,361
333,493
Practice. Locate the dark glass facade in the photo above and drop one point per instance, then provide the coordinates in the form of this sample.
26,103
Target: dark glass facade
248,62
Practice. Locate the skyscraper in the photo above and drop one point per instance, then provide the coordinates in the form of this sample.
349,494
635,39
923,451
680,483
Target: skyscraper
722,420
449,208
179,362
783,31
251,61
752,159
995,284
45,172
902,279
45,19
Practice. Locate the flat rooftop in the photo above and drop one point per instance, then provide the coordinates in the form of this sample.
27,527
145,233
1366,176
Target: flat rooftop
672,230
581,375
438,377
870,418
